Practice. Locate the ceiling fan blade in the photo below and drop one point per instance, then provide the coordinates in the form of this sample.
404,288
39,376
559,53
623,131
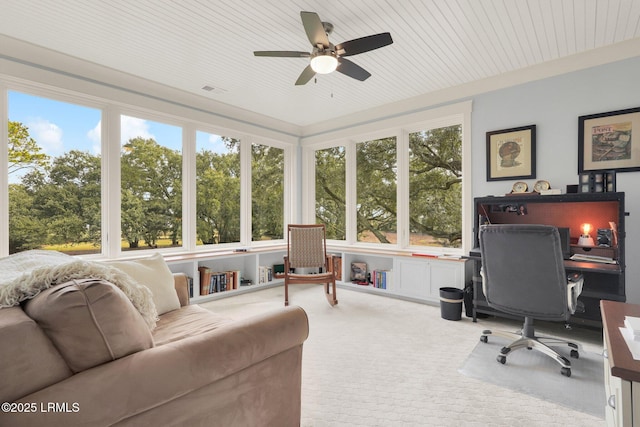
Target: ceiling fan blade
314,28
306,75
282,53
350,69
363,44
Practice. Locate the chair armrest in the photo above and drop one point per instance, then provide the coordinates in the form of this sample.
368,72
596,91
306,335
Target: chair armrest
182,288
574,289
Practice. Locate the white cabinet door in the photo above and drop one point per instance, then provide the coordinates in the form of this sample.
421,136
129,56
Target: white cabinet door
424,278
412,279
445,274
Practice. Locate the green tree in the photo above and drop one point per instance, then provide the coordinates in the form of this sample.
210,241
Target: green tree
26,231
330,191
435,184
218,195
131,218
67,198
435,175
376,188
24,152
267,193
153,174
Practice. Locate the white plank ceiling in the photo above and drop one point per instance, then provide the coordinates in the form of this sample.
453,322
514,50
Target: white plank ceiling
438,44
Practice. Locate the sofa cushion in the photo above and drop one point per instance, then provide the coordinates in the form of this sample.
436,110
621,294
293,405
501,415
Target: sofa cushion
30,362
90,321
153,272
189,321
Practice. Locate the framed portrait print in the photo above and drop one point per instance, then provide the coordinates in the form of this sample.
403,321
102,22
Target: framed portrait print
511,153
609,141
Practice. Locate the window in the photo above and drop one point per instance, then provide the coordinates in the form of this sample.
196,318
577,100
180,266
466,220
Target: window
151,184
54,175
401,183
217,189
330,191
435,187
267,192
376,190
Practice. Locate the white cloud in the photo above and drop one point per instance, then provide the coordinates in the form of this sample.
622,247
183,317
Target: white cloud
48,136
134,128
95,136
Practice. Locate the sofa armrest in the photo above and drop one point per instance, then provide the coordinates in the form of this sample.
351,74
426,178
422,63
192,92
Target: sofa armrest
133,385
182,288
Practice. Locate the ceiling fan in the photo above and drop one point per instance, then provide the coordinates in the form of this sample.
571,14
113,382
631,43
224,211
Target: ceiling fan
327,57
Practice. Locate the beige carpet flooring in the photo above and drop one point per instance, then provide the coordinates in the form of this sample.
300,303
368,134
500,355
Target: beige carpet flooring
378,361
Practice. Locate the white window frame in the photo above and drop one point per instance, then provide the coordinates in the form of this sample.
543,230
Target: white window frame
400,127
110,167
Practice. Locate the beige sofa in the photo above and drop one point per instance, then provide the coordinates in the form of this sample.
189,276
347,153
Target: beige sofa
195,368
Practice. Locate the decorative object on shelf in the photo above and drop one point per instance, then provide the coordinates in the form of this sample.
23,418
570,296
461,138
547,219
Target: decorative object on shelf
519,187
511,153
604,141
610,181
359,272
597,182
585,238
541,185
604,237
585,183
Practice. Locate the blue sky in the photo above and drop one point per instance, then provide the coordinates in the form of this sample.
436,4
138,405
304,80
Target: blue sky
59,127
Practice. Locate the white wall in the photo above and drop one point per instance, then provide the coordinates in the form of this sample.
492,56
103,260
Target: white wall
554,105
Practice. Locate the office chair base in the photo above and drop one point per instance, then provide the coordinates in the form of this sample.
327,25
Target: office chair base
540,343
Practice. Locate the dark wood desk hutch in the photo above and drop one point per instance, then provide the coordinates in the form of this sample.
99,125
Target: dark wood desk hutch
601,281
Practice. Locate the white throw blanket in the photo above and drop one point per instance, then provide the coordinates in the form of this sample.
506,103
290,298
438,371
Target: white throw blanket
25,274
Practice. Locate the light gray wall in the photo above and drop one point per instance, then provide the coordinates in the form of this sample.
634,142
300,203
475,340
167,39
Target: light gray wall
554,105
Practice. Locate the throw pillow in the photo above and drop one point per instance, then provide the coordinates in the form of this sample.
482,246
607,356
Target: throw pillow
154,273
90,322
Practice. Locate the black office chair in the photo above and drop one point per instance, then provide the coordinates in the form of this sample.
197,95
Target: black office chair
523,274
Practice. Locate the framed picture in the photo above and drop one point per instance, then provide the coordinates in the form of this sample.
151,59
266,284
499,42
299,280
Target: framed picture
511,153
606,141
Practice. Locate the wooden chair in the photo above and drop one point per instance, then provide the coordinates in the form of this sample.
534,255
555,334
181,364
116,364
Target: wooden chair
307,249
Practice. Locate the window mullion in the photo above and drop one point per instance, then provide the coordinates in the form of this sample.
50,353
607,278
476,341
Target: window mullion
111,191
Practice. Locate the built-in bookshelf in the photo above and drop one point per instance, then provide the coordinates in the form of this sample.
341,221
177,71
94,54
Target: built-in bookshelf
395,274
244,270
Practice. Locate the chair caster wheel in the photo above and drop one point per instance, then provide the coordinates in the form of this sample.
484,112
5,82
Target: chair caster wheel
566,372
484,339
501,359
575,354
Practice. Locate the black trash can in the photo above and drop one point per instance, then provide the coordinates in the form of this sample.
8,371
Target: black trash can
451,303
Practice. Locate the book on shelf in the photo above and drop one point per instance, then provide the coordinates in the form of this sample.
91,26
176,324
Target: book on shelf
337,267
381,279
190,284
205,279
265,274
217,281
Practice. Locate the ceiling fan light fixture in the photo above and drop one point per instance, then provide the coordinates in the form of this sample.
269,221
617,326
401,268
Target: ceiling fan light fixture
324,63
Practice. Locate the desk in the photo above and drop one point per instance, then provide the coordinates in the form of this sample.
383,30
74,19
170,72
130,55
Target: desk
621,370
601,281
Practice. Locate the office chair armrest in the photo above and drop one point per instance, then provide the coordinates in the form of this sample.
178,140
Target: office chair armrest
574,289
